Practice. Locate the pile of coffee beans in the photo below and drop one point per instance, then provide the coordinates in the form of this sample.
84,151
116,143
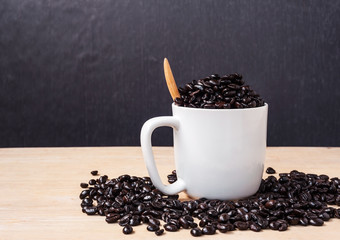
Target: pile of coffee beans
294,198
228,91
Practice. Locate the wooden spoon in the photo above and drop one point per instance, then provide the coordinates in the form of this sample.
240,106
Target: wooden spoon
170,81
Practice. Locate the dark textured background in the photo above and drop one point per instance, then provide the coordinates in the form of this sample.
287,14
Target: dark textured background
85,73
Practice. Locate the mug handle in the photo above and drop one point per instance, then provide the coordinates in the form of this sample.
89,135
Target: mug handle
145,139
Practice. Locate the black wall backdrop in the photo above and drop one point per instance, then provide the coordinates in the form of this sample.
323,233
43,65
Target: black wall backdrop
90,73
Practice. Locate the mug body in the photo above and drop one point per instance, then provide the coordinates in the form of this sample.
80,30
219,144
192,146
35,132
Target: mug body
220,153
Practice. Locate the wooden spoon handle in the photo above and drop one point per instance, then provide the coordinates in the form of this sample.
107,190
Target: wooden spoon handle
170,81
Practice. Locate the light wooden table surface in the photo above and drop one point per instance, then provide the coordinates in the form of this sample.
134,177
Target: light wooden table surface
40,187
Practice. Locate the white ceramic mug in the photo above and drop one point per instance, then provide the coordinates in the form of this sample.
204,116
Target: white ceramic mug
219,153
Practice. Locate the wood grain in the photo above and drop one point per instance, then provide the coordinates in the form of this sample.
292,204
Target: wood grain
170,80
40,189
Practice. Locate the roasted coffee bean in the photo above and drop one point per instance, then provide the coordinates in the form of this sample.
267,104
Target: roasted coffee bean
102,179
223,217
246,100
182,90
214,76
141,208
293,220
220,104
252,104
84,194
174,222
156,214
270,204
189,87
87,202
170,227
203,206
192,206
238,105
196,232
112,218
179,101
157,205
255,227
193,94
127,229
246,217
159,232
208,230
84,185
154,221
241,225
229,93
90,210
245,88
199,87
184,223
283,227
212,213
204,222
94,172
135,220
274,225
222,228
209,105
234,86
125,220
316,221
193,225
303,221
280,225
270,170
152,228
92,182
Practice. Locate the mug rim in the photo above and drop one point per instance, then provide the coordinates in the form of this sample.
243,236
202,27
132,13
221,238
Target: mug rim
219,110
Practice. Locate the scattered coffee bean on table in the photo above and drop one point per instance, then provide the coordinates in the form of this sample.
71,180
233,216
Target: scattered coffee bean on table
294,198
196,232
84,185
94,172
159,232
270,170
127,229
228,91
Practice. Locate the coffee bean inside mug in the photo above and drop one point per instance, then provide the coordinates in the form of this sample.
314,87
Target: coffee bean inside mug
215,92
